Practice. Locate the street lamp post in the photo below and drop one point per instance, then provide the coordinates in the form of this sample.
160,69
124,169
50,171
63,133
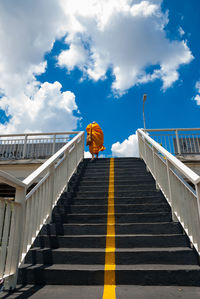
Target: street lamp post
144,99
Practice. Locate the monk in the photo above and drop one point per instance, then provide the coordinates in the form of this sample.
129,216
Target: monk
96,145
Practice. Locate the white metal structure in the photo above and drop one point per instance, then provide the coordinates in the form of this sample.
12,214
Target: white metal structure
22,218
32,145
182,142
168,173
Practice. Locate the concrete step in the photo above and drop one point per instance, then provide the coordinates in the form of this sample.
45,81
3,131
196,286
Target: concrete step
116,160
103,201
121,241
152,274
119,208
124,228
119,218
117,166
103,194
123,256
120,177
118,188
105,183
121,171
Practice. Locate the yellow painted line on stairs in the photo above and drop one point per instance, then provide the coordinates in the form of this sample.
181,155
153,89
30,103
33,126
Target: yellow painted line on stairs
109,270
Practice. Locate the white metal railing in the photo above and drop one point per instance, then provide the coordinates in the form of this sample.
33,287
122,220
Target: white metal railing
168,173
22,218
32,145
177,141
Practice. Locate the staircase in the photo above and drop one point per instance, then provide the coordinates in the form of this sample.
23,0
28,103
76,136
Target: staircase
150,249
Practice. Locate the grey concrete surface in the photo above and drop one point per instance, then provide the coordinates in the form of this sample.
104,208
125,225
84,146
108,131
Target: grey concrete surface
96,292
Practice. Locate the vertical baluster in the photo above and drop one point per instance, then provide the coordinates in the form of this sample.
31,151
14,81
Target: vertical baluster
57,187
189,137
43,147
197,188
2,215
198,144
25,145
177,142
17,235
33,217
188,211
9,269
3,149
46,198
42,207
52,191
5,237
170,149
27,225
37,212
43,195
169,182
185,145
54,144
40,201
194,144
46,146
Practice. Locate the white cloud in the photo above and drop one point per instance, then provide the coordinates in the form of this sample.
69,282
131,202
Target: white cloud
124,36
28,30
197,86
181,31
144,8
197,97
87,155
128,148
48,110
75,56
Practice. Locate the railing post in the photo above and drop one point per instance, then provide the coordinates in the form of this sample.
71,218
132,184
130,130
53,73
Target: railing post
141,146
25,145
15,245
178,143
54,144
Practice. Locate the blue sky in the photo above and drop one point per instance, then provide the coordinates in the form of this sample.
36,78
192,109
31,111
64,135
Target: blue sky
69,67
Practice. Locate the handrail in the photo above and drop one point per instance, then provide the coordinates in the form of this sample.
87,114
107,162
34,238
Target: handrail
39,171
41,134
176,129
190,174
169,174
11,180
181,142
32,145
21,219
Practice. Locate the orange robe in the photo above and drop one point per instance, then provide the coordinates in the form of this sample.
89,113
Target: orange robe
97,138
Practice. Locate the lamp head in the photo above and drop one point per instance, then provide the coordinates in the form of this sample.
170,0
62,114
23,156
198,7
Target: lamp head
144,97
